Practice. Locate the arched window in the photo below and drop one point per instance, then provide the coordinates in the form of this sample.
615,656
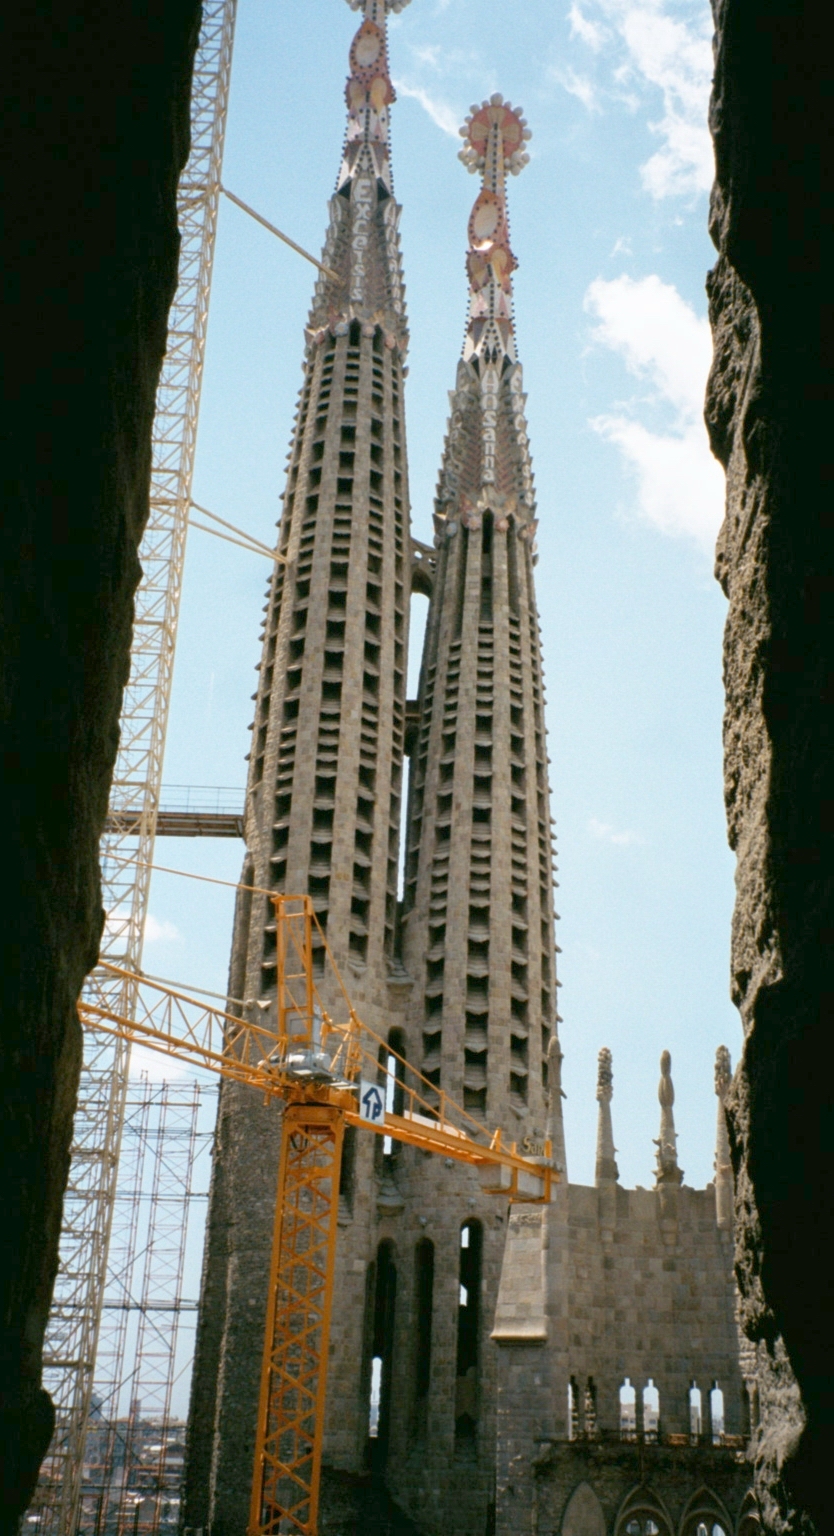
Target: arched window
394,1070
705,1515
716,1413
382,1353
469,1321
347,1170
628,1411
695,1413
651,1410
643,1514
423,1307
583,1515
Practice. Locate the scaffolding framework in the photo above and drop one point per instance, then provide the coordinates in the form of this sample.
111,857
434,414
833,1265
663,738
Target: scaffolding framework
130,1478
127,846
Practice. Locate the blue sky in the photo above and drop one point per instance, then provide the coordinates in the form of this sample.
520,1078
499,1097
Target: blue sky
608,224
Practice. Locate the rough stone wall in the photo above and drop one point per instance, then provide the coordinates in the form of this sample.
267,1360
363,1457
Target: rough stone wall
608,1283
95,134
768,411
676,1486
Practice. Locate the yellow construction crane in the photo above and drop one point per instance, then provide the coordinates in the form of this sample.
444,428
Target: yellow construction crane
326,1073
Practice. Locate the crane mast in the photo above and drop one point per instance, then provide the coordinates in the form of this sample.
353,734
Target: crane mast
75,1320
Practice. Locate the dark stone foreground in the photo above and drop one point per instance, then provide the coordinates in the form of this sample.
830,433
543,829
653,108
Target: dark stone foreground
95,133
769,415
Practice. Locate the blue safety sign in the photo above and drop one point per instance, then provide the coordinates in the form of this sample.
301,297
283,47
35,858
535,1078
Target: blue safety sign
371,1103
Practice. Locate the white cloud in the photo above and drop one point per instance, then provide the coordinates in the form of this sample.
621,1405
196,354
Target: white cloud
664,343
587,31
676,58
441,114
657,333
161,932
607,834
663,55
579,86
428,54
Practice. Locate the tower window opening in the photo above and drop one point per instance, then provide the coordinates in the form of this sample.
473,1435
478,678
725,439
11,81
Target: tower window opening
716,1413
382,1344
468,1342
695,1414
424,1299
394,1076
573,1409
590,1410
628,1411
651,1411
347,1169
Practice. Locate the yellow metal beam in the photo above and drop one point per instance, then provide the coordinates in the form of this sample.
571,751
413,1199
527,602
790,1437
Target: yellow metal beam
288,1447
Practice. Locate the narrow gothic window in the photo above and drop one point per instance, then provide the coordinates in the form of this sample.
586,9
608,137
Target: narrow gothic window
628,1411
469,1307
424,1301
695,1420
716,1413
651,1410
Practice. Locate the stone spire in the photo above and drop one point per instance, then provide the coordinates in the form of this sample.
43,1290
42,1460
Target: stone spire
362,243
607,1171
325,773
478,903
723,1167
555,1120
667,1171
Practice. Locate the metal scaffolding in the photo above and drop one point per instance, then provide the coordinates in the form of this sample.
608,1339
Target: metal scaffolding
127,846
132,1465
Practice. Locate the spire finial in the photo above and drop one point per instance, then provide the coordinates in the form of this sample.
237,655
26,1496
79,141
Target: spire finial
607,1171
368,94
723,1167
668,1171
494,137
362,240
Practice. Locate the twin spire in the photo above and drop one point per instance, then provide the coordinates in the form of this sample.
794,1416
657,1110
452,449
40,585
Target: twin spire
363,241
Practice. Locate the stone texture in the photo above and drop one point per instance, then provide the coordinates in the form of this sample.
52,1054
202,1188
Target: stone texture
768,412
604,1285
95,134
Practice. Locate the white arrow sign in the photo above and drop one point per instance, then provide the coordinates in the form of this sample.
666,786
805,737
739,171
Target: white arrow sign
371,1103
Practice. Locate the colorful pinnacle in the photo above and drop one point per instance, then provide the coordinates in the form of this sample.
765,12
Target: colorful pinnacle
494,138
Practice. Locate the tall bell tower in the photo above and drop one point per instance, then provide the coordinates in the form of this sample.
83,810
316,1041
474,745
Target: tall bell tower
478,939
325,781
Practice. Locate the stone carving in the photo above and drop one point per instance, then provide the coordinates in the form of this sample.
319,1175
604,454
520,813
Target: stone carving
668,1171
607,1171
723,1168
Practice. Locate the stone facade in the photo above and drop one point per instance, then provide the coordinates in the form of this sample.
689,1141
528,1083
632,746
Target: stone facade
457,1325
618,1357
